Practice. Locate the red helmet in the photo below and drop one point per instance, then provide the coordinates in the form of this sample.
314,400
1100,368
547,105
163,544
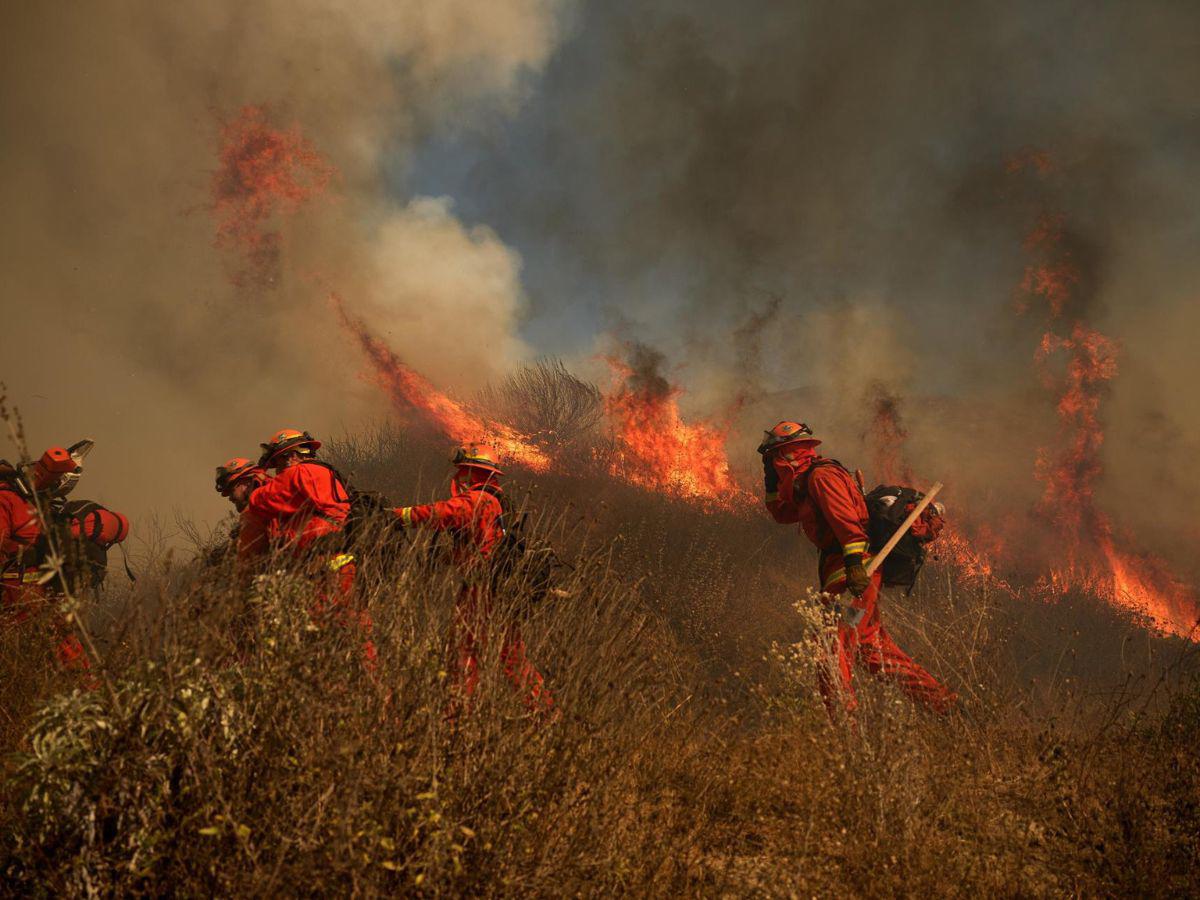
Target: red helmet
477,456
787,433
236,470
288,439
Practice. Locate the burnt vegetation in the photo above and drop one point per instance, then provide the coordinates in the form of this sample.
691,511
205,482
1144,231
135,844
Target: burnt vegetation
238,748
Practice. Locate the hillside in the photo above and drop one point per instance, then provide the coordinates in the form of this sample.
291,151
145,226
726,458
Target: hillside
235,750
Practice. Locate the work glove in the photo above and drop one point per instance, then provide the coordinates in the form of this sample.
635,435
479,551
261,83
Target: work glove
770,476
857,579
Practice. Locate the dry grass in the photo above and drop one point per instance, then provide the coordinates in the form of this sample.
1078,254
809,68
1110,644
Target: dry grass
244,751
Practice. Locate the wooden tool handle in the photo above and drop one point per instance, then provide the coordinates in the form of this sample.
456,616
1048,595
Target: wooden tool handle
879,557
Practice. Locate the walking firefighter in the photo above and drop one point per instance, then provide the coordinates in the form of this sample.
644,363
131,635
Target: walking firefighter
822,496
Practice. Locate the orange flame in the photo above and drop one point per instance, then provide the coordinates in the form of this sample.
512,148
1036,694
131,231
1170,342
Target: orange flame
1076,363
1091,559
974,558
660,451
411,391
1141,584
263,172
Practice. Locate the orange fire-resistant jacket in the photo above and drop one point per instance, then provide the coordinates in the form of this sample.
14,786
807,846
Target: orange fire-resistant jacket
21,529
473,515
297,506
826,502
19,525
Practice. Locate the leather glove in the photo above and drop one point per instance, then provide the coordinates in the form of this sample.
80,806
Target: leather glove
770,476
857,579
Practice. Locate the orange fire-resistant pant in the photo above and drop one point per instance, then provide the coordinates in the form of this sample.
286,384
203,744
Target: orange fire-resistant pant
22,601
335,602
471,615
869,645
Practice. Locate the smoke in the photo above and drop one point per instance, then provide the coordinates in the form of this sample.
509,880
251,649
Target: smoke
644,376
125,320
462,291
851,158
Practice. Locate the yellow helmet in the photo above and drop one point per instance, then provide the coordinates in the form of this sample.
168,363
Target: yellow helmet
477,456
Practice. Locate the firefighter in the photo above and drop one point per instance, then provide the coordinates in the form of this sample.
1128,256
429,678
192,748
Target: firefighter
474,517
237,479
33,512
302,510
819,494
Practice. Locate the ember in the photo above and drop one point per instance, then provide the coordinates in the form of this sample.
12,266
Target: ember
264,173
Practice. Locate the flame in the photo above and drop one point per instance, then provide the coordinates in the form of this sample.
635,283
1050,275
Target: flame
1069,475
1141,584
660,451
975,558
1076,363
1090,557
410,391
263,172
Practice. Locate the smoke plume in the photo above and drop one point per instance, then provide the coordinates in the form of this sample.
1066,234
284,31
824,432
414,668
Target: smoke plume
129,314
855,159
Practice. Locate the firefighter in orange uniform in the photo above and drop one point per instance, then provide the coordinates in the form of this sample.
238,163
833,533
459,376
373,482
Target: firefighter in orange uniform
237,479
474,517
306,501
821,496
25,542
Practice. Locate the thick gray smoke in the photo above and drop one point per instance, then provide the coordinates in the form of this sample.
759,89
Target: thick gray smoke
121,321
851,159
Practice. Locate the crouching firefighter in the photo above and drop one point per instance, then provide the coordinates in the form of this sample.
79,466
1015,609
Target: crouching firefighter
474,516
302,512
236,480
36,522
803,487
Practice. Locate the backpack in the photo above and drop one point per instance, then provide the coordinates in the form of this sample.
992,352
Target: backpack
523,561
888,506
366,507
84,537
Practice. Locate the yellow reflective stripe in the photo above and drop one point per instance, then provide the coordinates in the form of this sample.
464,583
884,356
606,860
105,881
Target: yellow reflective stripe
833,578
29,576
406,516
854,547
340,561
772,497
839,575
